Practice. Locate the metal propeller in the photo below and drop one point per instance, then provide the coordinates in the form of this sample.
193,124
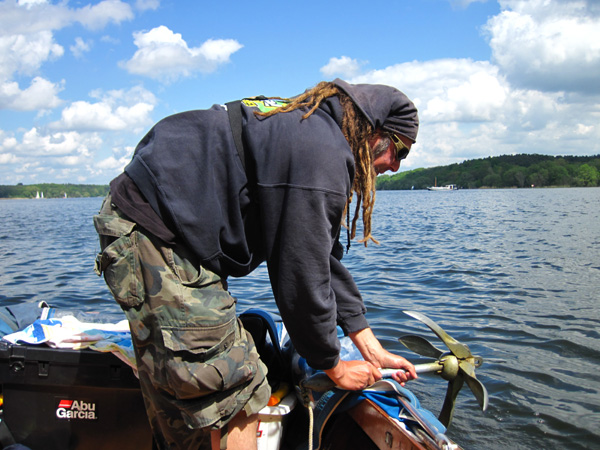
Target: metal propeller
457,366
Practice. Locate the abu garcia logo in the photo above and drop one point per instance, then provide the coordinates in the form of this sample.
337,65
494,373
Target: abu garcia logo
76,409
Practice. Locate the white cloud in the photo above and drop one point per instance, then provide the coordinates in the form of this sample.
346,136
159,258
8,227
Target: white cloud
25,54
8,158
117,161
344,67
215,51
165,55
57,144
110,40
143,5
8,142
41,94
476,96
583,130
464,3
110,166
29,3
41,156
550,46
80,47
82,115
73,147
30,17
97,16
447,89
38,154
116,110
25,18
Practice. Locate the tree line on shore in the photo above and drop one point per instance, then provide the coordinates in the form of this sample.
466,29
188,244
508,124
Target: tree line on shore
510,171
52,190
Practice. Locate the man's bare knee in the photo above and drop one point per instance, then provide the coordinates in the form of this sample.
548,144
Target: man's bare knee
241,433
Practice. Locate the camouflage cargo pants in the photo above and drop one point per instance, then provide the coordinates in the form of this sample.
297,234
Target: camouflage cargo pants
197,365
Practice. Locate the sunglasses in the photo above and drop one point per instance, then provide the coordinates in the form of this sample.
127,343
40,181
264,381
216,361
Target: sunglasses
402,149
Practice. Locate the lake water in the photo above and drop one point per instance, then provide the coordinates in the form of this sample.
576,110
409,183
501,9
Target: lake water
515,274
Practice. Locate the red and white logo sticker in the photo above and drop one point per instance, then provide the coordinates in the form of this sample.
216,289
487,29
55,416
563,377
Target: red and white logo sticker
76,409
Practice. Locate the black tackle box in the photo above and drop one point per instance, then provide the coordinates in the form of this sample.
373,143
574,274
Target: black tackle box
59,399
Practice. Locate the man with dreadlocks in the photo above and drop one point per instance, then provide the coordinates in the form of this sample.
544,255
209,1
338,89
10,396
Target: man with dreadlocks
214,193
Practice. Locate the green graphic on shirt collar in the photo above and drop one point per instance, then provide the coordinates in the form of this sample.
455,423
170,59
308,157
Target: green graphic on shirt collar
264,105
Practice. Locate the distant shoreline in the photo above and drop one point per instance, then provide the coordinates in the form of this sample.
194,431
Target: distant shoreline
48,198
44,191
501,172
378,190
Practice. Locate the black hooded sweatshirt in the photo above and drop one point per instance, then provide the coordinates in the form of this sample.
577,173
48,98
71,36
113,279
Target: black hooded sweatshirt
285,207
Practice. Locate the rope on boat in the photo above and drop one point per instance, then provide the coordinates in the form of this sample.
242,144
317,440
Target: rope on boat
310,427
309,403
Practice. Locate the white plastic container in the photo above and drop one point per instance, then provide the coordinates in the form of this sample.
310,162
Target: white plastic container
271,422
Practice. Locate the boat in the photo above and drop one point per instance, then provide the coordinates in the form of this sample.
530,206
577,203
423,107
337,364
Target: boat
447,187
383,416
74,398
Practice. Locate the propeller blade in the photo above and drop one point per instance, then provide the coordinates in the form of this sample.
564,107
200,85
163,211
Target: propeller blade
457,367
476,386
458,349
421,346
447,410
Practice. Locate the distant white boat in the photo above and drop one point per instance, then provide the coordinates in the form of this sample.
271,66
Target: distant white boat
37,194
448,187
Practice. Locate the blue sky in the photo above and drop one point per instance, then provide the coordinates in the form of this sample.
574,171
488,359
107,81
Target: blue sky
82,81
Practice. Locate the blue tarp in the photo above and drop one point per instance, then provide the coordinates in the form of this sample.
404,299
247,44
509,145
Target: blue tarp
16,317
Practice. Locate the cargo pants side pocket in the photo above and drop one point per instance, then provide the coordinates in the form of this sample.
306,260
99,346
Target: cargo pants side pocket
119,260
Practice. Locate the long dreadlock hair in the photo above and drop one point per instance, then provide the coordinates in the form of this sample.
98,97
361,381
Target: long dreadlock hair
356,129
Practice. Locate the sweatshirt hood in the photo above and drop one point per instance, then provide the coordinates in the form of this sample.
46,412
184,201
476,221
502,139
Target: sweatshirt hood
384,106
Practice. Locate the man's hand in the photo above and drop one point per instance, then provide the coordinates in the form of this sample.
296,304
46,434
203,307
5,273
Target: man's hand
387,360
371,349
353,375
